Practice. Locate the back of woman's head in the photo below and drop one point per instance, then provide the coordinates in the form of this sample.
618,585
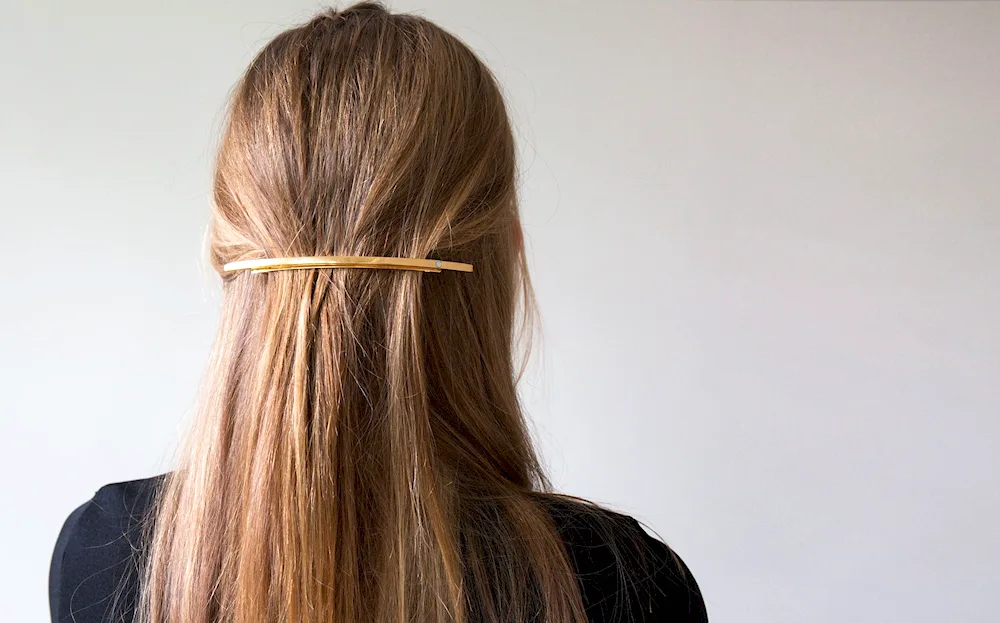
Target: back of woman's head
363,132
360,453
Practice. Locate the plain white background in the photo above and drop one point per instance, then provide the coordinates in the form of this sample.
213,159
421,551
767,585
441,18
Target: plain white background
765,238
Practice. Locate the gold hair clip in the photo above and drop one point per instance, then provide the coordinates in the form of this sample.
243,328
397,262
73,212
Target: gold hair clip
345,261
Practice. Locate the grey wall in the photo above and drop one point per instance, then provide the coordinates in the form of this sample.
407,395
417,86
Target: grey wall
765,239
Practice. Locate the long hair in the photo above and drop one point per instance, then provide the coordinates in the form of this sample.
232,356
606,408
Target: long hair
360,453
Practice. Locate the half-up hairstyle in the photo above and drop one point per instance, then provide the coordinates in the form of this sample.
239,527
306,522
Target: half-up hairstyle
360,454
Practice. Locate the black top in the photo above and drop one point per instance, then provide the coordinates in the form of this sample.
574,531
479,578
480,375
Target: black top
95,566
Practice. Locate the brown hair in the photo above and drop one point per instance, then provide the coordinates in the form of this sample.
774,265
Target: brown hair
360,453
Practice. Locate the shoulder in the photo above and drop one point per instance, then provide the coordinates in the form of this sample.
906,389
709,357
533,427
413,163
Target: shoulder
624,573
95,561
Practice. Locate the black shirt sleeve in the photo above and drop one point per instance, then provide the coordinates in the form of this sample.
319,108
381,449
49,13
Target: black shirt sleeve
95,567
66,535
673,593
624,573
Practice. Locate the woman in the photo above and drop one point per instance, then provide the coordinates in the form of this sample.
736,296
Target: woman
360,453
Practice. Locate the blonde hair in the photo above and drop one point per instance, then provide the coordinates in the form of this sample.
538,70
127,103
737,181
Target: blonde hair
360,453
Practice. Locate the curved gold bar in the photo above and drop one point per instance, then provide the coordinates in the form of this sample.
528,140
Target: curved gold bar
345,261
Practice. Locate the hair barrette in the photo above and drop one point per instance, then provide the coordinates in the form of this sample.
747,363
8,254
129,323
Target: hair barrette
345,261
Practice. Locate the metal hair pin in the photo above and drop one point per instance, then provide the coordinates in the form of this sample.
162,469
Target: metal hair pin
345,261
